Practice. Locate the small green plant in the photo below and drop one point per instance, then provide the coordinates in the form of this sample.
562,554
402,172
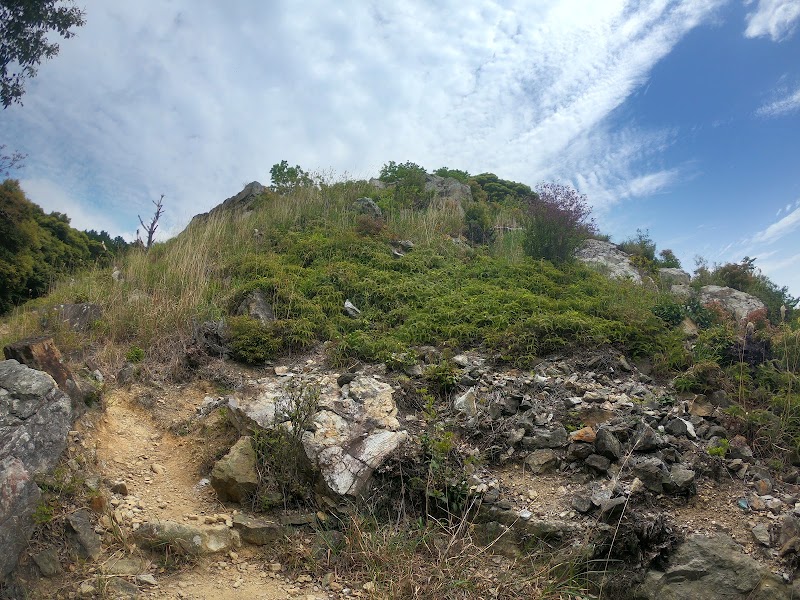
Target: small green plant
443,376
43,513
134,355
720,449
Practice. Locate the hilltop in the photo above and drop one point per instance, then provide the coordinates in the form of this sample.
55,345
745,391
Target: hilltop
413,388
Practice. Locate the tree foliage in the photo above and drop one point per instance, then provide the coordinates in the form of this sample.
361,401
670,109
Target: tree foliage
558,220
286,179
408,179
503,191
25,42
36,248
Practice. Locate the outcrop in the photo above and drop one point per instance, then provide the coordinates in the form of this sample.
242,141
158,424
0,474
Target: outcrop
35,417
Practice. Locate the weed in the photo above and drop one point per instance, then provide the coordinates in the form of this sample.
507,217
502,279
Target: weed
134,355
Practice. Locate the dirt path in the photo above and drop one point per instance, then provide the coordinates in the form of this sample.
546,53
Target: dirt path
162,473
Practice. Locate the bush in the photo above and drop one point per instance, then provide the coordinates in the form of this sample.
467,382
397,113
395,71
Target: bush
640,244
558,220
478,224
409,183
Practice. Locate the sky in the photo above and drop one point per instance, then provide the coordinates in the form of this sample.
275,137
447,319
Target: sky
681,118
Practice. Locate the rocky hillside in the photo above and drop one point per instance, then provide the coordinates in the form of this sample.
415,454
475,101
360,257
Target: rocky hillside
355,390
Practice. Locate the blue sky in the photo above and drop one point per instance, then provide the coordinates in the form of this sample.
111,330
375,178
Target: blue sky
678,117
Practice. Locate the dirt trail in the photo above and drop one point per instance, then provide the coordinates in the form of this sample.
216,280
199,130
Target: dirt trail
162,472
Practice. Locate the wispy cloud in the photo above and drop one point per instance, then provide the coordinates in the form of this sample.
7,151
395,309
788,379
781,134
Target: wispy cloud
782,106
193,100
779,229
774,18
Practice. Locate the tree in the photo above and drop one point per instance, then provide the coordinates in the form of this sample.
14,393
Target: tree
151,227
9,161
286,179
24,42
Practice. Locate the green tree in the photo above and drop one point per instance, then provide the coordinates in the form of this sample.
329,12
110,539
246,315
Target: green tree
409,183
668,260
25,40
286,179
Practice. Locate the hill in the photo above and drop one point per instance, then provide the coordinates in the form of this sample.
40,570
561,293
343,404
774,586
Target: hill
423,375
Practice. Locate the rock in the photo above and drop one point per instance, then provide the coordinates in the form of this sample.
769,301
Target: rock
608,259
610,510
119,487
353,430
257,531
681,481
466,404
739,304
607,444
48,562
671,276
646,439
448,190
35,418
42,354
255,306
127,373
579,451
546,438
240,203
707,568
585,434
187,539
351,309
600,463
581,503
235,477
126,565
82,534
681,291
761,534
19,497
542,461
652,472
738,448
367,206
700,406
680,428
119,588
689,327
78,317
790,529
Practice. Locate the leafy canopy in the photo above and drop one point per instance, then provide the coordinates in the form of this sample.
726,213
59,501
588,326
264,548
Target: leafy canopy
24,42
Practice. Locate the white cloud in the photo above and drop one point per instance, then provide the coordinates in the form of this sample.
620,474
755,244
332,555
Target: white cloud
782,106
779,229
193,100
774,18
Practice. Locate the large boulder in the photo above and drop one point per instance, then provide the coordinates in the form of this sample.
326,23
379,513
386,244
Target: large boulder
42,354
353,428
739,304
79,317
671,276
234,477
608,259
35,417
256,306
707,568
446,189
184,539
241,202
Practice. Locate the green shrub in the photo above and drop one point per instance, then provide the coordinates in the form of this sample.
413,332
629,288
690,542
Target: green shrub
669,310
558,220
135,355
640,244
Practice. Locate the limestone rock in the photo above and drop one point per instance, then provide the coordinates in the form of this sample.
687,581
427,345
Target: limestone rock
707,568
187,539
241,202
609,259
466,403
353,430
255,305
672,276
739,304
448,189
234,477
367,206
257,531
542,461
